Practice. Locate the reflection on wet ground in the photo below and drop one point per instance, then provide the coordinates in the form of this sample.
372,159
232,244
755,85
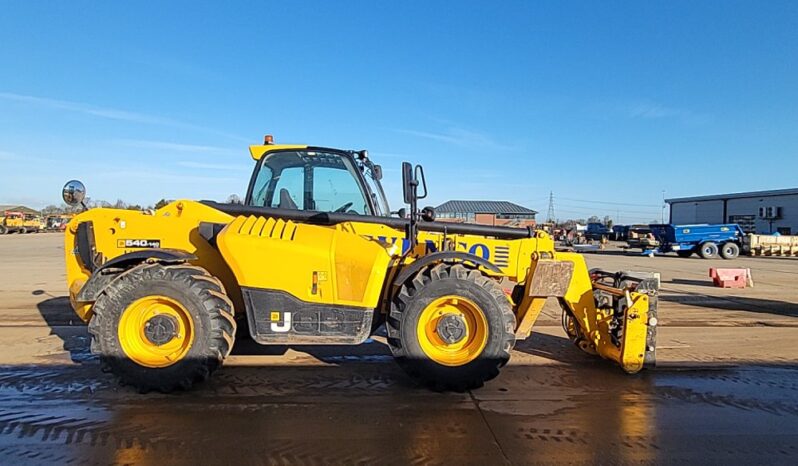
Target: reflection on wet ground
366,411
552,405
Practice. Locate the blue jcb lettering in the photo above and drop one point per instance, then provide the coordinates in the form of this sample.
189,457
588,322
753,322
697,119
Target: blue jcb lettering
430,246
385,239
480,250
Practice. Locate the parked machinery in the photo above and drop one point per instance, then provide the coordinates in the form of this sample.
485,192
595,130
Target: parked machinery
12,222
313,256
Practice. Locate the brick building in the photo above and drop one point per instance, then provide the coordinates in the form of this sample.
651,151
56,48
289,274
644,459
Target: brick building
498,213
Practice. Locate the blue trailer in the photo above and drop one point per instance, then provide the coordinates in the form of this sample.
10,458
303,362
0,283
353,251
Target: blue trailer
708,241
597,231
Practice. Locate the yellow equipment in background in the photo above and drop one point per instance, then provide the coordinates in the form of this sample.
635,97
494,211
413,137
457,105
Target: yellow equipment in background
12,222
314,256
33,223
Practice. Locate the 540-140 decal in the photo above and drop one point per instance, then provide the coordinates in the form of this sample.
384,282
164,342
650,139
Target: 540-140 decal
138,243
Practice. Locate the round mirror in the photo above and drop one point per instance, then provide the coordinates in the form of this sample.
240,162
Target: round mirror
74,192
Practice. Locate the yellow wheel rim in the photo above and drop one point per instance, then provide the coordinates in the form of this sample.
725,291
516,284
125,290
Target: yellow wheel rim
452,331
156,331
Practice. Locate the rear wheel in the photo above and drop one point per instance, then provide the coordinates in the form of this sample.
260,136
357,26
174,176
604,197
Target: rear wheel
451,327
163,327
730,251
684,253
3,230
709,250
22,231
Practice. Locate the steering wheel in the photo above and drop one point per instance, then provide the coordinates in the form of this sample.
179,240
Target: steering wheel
344,207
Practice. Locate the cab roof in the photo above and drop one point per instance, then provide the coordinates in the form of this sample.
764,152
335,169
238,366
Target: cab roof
259,151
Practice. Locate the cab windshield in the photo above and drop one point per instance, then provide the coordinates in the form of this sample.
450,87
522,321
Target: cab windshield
310,180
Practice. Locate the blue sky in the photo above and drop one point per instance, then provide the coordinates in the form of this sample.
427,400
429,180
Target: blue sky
606,104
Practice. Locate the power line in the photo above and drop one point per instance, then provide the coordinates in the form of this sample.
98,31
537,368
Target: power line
628,218
596,209
610,203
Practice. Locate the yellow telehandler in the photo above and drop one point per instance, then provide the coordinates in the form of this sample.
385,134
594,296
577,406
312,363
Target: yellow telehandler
314,256
12,222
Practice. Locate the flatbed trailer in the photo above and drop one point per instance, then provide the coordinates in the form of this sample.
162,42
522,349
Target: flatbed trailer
770,245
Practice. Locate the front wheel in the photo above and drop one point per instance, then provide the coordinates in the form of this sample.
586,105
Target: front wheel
3,230
163,327
451,327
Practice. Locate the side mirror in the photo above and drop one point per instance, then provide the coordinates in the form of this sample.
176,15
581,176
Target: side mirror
402,213
408,182
377,172
428,214
73,193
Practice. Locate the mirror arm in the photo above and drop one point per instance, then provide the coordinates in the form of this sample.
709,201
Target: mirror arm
413,224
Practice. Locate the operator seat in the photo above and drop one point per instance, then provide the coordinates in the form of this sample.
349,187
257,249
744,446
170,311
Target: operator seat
285,200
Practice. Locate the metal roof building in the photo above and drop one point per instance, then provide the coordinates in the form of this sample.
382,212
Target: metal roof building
486,213
483,207
761,212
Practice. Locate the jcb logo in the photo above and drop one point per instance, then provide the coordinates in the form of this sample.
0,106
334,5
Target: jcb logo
276,325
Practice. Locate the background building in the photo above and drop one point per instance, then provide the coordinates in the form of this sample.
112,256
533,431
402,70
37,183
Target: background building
761,212
486,213
18,208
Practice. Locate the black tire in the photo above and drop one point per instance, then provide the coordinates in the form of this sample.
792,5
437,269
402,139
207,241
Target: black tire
3,230
22,231
730,251
709,250
684,253
201,294
429,285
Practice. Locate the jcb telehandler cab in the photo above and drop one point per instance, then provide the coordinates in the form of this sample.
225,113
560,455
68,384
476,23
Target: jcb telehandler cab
313,256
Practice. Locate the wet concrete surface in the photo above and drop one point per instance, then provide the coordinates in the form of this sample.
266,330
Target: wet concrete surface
726,390
357,412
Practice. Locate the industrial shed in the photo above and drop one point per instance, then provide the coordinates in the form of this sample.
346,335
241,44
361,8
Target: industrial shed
762,212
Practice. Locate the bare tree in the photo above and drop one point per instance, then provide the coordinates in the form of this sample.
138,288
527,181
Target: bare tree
234,199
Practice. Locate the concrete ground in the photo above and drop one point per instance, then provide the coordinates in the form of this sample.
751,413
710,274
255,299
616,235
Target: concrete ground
725,390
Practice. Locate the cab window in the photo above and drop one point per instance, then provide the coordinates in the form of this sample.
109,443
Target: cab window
290,189
309,180
336,189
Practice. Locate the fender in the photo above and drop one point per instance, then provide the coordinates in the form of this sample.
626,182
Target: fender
460,256
110,270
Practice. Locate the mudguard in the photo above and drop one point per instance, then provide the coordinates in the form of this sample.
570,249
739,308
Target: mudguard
106,273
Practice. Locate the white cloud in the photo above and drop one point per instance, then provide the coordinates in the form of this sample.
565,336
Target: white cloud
14,157
460,137
214,166
173,146
165,177
9,156
652,110
110,113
